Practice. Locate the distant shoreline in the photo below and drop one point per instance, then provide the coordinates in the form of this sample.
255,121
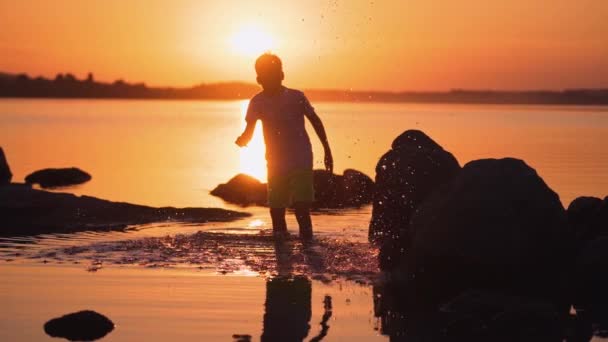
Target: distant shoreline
67,86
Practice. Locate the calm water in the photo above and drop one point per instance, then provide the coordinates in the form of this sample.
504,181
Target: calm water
174,152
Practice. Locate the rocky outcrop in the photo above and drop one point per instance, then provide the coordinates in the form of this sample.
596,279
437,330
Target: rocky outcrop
242,189
353,189
5,171
414,167
54,178
496,225
27,211
79,326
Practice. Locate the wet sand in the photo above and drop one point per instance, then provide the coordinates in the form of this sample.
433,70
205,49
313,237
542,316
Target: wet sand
169,304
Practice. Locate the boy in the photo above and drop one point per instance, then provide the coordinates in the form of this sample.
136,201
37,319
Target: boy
288,149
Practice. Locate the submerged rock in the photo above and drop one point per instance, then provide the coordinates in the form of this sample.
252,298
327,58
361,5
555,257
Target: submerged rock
79,326
53,178
5,171
496,225
26,211
405,176
352,189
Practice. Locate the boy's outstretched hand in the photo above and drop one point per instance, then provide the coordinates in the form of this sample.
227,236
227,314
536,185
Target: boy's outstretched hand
329,161
241,141
244,138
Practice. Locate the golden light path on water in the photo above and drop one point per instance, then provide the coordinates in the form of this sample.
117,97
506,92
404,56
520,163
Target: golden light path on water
252,157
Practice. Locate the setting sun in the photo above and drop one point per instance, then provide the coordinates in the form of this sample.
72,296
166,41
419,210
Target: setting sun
251,42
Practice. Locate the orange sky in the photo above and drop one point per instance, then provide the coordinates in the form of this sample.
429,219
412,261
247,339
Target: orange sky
386,45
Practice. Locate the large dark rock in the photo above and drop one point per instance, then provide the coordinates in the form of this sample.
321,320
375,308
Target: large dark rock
79,326
588,217
242,189
5,171
591,279
353,189
496,225
27,211
405,176
53,178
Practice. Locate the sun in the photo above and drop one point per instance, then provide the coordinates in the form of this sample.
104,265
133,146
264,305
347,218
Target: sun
253,157
251,42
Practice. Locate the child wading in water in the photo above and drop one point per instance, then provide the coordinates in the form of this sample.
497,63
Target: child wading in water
288,149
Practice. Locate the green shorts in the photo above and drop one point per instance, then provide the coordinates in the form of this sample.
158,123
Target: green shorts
295,186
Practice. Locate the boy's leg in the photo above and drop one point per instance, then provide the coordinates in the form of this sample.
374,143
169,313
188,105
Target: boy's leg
278,200
301,183
303,217
278,220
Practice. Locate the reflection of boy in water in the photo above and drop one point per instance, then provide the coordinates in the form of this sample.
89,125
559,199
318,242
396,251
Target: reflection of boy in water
288,150
287,309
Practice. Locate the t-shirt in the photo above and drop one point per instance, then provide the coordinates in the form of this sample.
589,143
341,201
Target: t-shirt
287,143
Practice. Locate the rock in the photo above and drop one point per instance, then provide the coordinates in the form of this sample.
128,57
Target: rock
591,279
588,217
79,326
53,178
27,211
496,225
5,171
242,189
353,189
405,176
329,189
358,188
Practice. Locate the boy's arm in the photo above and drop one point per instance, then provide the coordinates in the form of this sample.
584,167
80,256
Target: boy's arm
320,130
247,134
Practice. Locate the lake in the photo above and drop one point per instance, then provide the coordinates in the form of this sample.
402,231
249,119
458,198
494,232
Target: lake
172,153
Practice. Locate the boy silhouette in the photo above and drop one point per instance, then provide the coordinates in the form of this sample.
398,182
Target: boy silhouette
288,149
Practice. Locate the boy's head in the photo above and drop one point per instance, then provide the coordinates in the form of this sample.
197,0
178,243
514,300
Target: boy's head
270,71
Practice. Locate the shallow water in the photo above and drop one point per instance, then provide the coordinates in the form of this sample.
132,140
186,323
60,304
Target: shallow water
177,305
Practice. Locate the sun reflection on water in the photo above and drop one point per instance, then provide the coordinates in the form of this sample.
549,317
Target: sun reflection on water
252,157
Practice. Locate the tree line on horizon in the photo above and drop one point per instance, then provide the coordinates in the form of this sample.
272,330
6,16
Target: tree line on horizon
68,86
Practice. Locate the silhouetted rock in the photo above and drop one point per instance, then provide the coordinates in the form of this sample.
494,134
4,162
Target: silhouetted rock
242,189
53,178
26,211
358,188
496,225
5,171
405,176
79,326
591,279
329,189
588,216
352,189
